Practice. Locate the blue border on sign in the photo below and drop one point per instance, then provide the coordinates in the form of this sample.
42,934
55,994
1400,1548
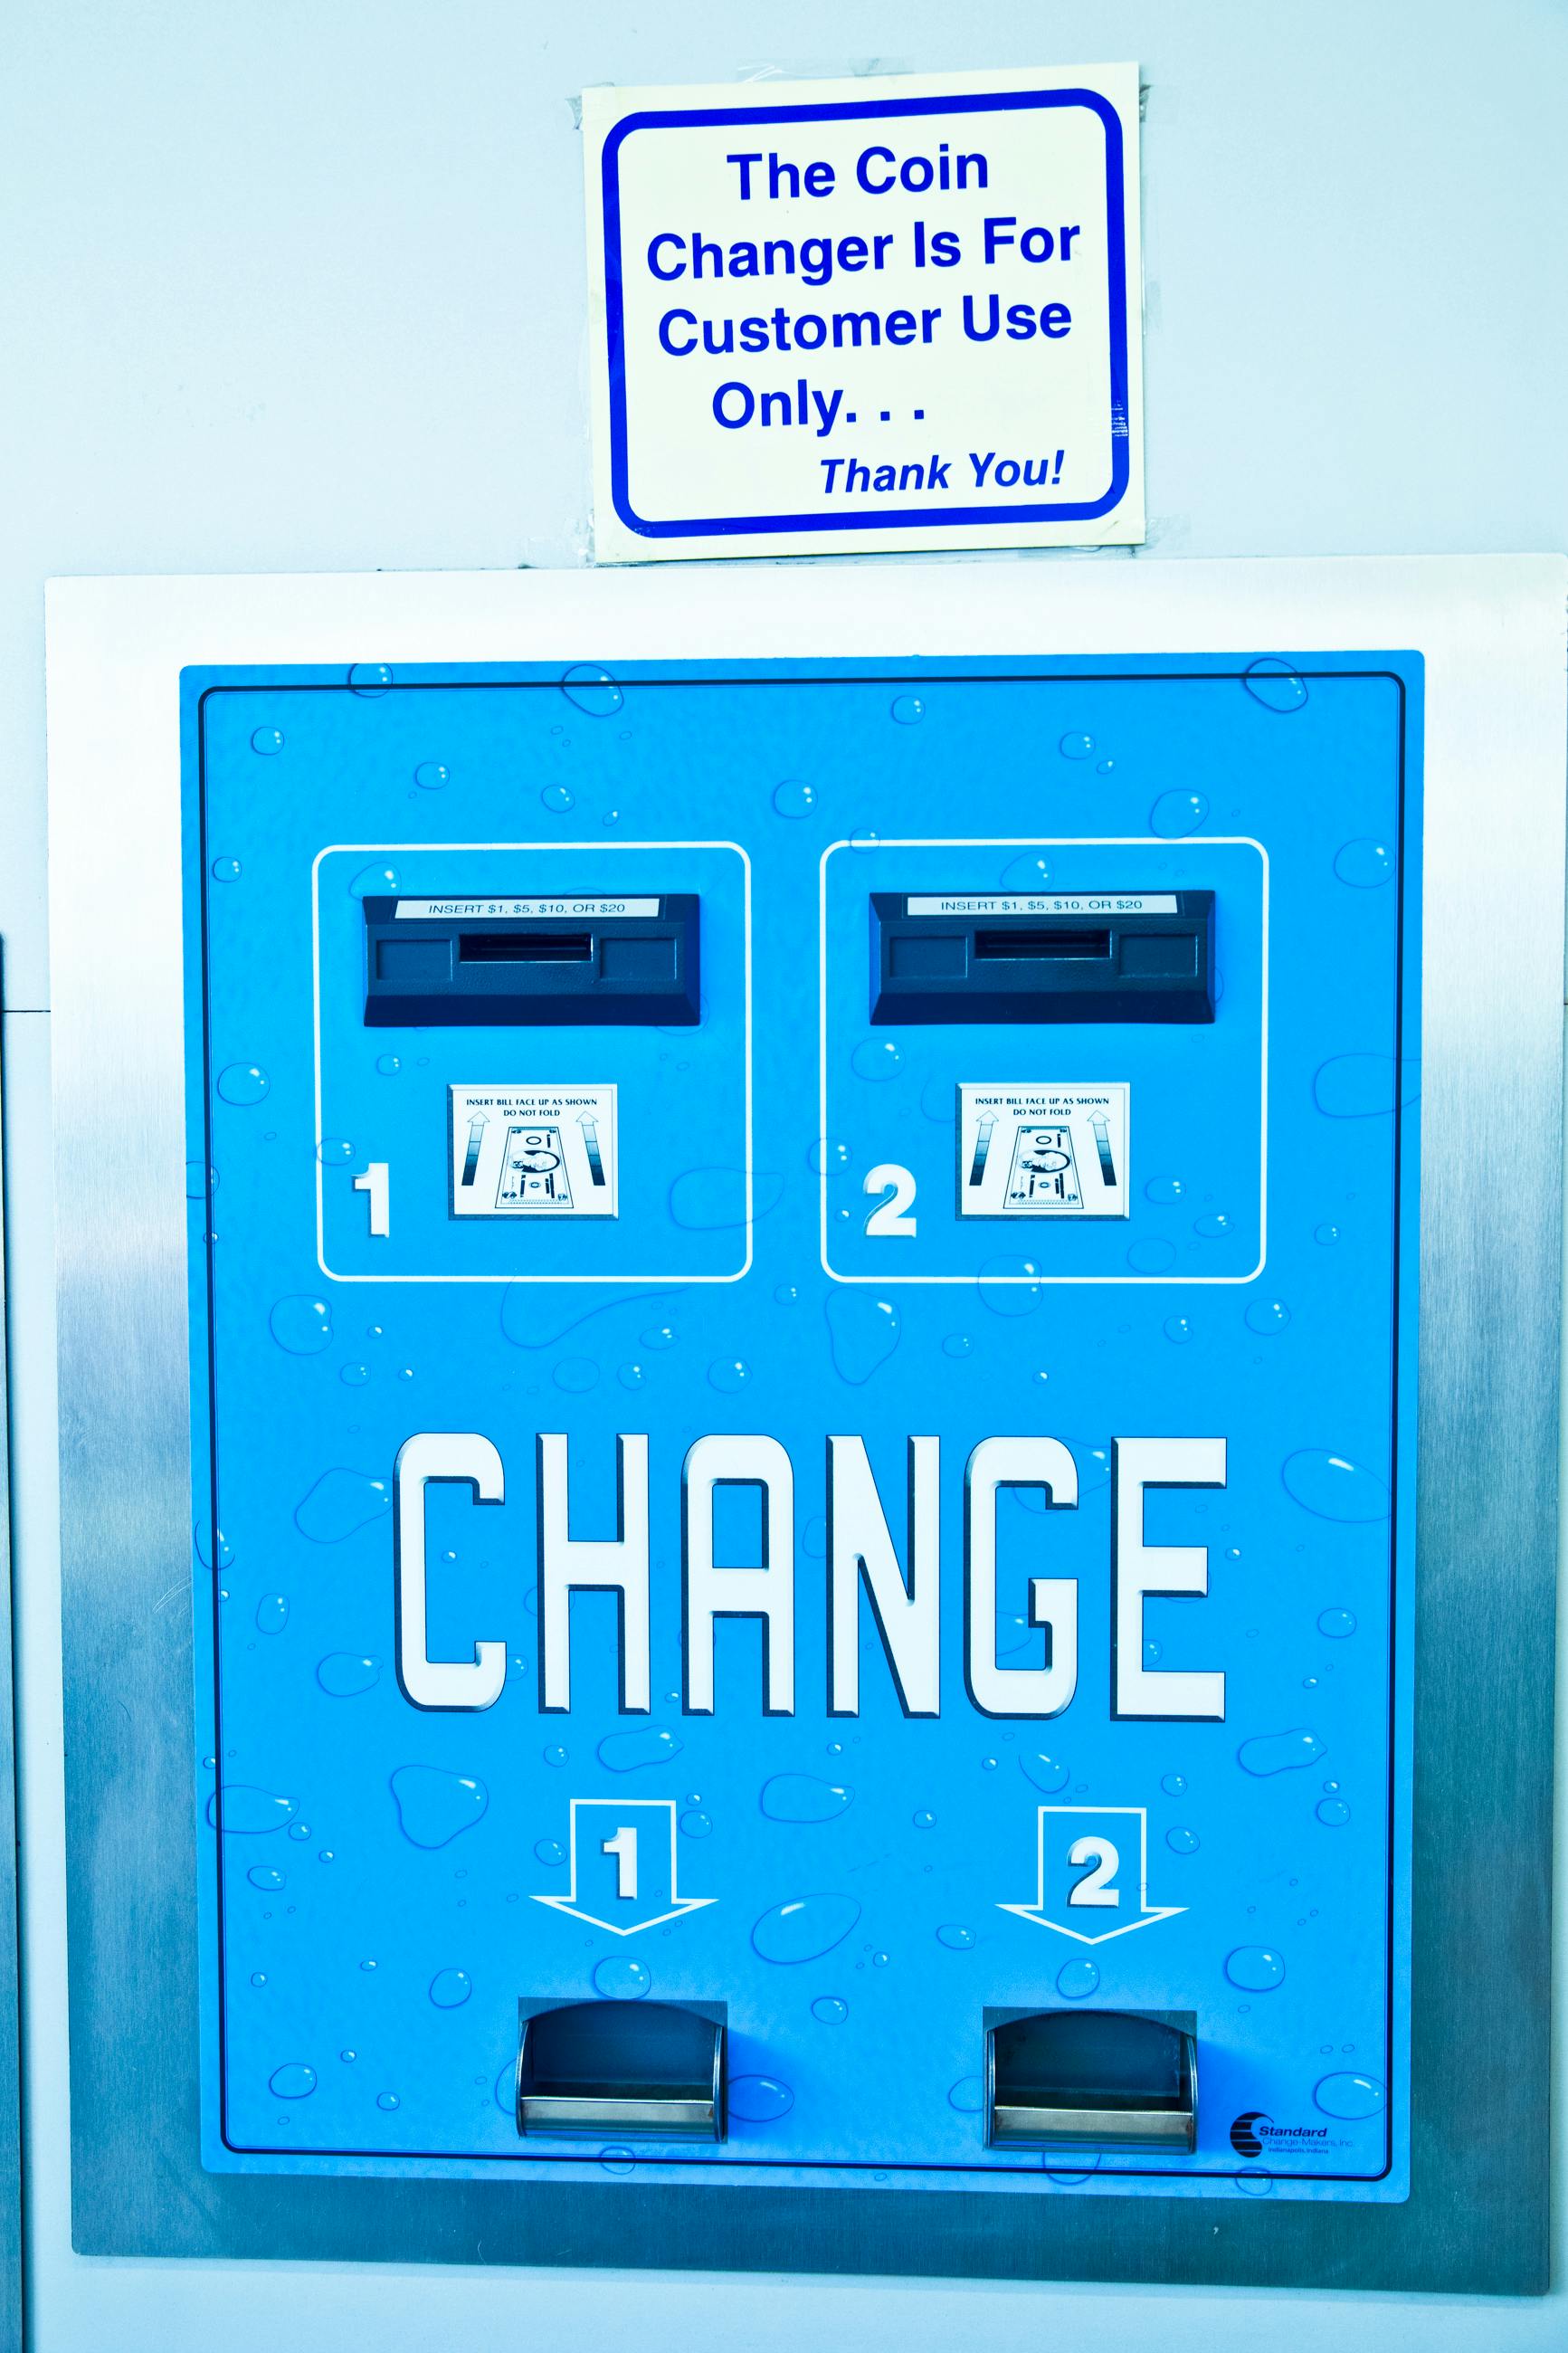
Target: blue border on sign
868,110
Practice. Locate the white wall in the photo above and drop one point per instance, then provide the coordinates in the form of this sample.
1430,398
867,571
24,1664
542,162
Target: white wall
296,287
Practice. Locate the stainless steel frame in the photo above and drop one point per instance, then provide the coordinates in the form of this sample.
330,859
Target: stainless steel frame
11,2209
1492,631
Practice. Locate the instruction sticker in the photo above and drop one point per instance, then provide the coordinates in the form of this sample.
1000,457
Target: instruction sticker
1042,1152
533,1152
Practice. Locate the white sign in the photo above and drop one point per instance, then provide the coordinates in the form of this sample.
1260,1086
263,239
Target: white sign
866,316
1042,1152
533,1152
1049,902
464,911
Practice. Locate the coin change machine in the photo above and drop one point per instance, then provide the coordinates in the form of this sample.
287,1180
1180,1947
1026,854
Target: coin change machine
803,1312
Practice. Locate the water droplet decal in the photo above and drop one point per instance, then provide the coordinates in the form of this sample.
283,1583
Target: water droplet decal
877,1060
1008,1286
301,1325
1331,1487
213,1553
592,691
340,1503
533,1316
433,1807
1353,2098
805,1928
343,1674
1275,684
1267,1316
1280,1752
295,2082
862,1333
1364,864
627,1752
1048,1774
760,2099
1364,1086
1076,1980
244,1811
622,1977
1176,815
449,1988
244,1084
1255,1969
713,1200
801,1797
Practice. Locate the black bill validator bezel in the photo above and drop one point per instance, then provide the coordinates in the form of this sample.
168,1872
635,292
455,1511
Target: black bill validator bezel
451,967
1112,962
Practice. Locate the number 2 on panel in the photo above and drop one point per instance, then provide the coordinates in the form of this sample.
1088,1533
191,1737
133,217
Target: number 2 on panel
624,1847
891,1215
1095,1886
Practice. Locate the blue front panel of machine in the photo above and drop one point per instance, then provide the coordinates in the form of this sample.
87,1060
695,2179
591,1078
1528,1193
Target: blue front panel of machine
1099,1325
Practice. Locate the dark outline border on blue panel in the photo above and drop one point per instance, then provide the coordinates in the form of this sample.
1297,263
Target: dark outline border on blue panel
708,118
685,675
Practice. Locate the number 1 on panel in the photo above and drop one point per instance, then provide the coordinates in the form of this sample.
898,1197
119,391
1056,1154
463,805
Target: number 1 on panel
624,1847
377,1182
